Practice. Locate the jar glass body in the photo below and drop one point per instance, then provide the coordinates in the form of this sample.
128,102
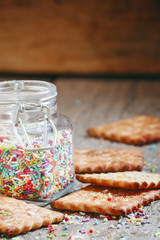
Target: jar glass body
27,170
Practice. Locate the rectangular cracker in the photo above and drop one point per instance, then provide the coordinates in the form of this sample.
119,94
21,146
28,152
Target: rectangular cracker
137,130
112,201
128,180
18,217
104,160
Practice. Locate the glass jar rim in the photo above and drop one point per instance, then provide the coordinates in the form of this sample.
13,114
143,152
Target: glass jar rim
27,91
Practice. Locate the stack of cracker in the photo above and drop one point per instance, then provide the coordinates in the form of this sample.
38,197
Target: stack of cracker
126,188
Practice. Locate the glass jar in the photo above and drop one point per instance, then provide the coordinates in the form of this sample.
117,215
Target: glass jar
36,160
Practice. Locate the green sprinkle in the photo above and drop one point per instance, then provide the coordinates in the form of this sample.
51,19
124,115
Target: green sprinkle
15,238
157,234
64,234
5,213
122,236
50,236
153,170
10,148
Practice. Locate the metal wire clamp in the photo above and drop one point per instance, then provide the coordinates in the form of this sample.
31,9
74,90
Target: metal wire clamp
47,120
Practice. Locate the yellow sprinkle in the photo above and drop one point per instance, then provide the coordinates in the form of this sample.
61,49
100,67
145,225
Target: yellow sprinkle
109,195
120,175
14,183
140,208
137,220
16,193
71,222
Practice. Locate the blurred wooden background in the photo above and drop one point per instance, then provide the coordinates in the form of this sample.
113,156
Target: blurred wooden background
80,36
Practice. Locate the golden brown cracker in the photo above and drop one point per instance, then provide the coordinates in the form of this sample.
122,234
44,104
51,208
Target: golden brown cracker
112,201
137,130
128,180
104,160
17,217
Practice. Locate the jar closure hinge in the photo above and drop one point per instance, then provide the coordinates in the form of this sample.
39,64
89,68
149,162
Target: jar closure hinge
47,120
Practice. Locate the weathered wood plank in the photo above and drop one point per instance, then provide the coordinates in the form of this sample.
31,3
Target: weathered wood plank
101,102
79,36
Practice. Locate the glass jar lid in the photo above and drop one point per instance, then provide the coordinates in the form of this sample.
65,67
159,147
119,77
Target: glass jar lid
26,91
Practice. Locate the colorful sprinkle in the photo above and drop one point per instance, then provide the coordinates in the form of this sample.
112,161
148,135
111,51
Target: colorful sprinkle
26,177
50,236
82,231
5,213
64,234
15,238
85,220
152,147
91,230
71,222
157,234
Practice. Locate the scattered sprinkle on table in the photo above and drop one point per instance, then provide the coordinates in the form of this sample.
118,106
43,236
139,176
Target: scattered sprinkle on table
64,234
50,236
152,147
153,170
157,234
5,213
85,220
15,238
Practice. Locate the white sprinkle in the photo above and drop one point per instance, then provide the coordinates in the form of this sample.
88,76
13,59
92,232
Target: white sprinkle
105,220
82,213
111,226
138,223
17,179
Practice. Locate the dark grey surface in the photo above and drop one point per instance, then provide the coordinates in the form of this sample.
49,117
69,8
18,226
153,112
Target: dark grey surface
90,103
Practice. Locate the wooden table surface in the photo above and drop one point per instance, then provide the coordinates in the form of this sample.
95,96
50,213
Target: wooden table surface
92,102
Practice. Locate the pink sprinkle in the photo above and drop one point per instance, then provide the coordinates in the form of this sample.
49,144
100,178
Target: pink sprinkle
6,166
146,217
83,232
137,216
141,211
17,152
86,220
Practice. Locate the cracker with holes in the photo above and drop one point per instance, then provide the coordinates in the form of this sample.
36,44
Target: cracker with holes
137,130
112,201
18,217
104,160
128,180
